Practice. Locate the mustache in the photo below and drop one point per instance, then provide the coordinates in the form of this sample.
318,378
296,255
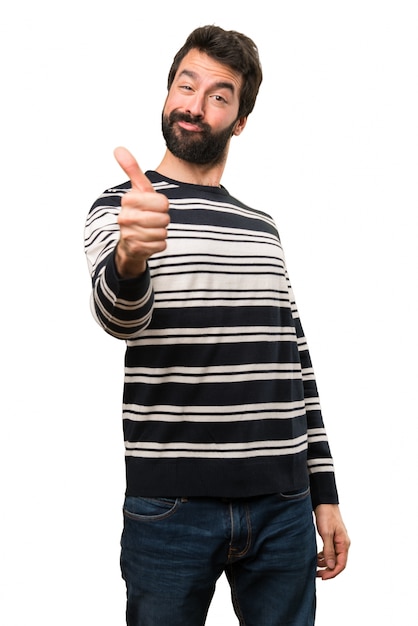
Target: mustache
177,116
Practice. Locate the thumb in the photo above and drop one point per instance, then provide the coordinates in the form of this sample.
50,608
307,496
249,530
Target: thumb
130,166
329,553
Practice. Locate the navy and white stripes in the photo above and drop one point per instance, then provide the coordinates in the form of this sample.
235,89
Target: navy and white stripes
220,396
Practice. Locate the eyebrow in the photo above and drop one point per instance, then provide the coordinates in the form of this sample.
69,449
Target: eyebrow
219,85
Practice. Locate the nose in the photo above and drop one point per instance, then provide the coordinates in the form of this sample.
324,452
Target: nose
195,105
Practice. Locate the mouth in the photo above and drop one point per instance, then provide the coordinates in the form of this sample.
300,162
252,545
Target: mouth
190,126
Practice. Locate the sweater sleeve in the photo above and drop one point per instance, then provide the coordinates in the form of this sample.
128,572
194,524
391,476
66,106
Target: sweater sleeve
320,462
123,307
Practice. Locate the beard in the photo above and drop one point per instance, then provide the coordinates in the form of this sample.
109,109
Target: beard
202,148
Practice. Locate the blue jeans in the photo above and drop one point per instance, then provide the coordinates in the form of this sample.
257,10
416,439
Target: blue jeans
174,550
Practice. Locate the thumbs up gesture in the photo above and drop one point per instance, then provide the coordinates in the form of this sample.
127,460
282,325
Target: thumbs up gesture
143,220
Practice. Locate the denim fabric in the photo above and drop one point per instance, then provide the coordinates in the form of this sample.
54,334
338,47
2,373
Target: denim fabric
174,550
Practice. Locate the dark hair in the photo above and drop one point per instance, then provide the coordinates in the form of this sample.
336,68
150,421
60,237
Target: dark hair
231,48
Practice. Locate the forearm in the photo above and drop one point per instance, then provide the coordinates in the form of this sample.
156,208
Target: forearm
121,303
320,462
123,307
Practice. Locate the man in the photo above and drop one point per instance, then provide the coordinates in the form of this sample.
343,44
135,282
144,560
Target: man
226,451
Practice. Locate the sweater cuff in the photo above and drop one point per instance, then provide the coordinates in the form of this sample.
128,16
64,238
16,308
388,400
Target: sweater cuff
128,288
323,489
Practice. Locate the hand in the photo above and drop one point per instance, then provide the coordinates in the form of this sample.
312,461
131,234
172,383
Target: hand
333,557
143,220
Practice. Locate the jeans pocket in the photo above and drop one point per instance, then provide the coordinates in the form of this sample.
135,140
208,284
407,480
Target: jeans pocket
149,509
297,494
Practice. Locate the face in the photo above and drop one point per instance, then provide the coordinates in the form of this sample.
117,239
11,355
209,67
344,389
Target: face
200,113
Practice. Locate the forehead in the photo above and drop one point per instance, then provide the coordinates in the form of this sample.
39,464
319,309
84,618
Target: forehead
202,67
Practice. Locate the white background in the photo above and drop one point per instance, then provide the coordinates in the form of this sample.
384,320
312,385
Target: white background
331,152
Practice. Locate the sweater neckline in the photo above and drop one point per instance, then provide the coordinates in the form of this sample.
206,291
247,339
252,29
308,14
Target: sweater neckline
156,177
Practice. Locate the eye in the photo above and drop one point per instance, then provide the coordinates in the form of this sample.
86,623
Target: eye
219,99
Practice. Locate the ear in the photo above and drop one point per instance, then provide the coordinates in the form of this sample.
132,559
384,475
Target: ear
239,126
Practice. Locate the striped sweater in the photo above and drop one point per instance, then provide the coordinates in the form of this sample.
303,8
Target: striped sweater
220,398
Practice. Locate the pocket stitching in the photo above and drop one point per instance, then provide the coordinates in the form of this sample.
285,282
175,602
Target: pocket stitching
151,518
298,495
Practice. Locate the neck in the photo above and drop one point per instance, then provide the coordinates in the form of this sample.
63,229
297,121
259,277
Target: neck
192,173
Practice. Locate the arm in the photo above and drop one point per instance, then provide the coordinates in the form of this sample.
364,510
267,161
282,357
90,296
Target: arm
332,559
123,229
